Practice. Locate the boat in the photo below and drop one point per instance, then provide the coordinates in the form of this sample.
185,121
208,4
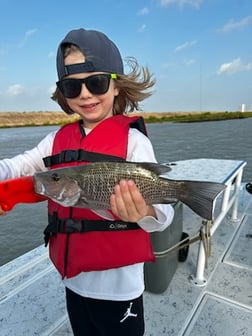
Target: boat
209,292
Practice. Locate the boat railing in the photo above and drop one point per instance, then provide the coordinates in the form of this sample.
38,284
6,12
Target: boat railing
229,200
228,172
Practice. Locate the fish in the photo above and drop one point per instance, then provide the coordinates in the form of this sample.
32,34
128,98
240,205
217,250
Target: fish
91,185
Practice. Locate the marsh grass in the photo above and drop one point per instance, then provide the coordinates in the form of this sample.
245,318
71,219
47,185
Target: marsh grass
47,118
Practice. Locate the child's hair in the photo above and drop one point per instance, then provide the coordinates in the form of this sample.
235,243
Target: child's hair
133,87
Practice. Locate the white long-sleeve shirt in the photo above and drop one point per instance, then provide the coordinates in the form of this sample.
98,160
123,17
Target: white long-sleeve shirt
124,283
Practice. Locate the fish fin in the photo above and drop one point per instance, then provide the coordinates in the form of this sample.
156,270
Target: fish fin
200,197
156,168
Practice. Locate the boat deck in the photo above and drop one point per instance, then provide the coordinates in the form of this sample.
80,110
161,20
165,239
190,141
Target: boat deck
32,297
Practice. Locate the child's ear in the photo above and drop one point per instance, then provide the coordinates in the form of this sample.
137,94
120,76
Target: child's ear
116,91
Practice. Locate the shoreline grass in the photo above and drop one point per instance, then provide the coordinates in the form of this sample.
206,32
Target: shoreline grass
47,118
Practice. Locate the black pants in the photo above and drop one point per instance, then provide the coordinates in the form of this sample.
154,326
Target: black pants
92,317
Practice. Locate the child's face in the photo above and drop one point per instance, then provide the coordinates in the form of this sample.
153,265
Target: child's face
92,108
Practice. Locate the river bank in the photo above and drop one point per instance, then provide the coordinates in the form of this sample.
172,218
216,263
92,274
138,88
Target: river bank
50,118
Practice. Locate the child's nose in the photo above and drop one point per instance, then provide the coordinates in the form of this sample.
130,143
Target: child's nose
84,91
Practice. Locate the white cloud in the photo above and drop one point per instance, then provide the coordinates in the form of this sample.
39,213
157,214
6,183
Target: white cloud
189,61
181,3
15,90
142,28
144,11
185,45
233,67
231,25
168,65
28,34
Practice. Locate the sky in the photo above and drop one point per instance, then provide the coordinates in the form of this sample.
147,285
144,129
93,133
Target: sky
199,51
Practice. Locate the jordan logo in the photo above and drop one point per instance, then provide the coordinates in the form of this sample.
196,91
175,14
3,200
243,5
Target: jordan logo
128,313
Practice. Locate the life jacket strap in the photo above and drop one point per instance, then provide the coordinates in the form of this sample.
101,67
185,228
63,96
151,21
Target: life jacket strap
78,155
58,225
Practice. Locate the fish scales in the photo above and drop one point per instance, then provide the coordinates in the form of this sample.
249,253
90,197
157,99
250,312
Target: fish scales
98,182
91,185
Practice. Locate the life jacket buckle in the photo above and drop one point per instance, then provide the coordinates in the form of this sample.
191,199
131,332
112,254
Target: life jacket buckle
72,226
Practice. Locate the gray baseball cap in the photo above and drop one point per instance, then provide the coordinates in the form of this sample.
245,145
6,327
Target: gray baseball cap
101,54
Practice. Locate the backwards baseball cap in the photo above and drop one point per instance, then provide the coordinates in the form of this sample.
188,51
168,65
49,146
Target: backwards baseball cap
101,54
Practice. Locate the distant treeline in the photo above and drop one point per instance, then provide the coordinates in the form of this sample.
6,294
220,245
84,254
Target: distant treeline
198,116
21,119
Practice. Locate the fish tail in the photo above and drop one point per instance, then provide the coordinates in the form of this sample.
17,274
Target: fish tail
200,197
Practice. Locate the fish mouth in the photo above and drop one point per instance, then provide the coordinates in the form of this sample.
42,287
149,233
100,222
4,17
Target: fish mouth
63,197
39,187
41,190
67,199
67,202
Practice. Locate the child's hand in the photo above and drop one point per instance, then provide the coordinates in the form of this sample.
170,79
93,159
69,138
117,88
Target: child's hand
128,204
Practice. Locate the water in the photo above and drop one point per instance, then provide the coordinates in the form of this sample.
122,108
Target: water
22,228
231,139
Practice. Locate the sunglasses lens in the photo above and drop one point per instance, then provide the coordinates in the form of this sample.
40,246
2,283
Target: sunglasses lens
70,87
96,84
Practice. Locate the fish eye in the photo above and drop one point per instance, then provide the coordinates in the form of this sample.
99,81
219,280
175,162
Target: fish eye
55,177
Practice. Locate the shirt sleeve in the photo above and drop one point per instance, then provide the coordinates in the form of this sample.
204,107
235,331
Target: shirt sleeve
29,162
140,149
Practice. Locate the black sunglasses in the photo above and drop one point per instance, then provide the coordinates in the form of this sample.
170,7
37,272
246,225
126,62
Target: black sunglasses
96,84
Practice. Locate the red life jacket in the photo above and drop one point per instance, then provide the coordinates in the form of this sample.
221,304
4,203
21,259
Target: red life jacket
80,240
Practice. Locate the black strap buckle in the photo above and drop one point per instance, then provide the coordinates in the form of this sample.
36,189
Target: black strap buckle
69,156
71,226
